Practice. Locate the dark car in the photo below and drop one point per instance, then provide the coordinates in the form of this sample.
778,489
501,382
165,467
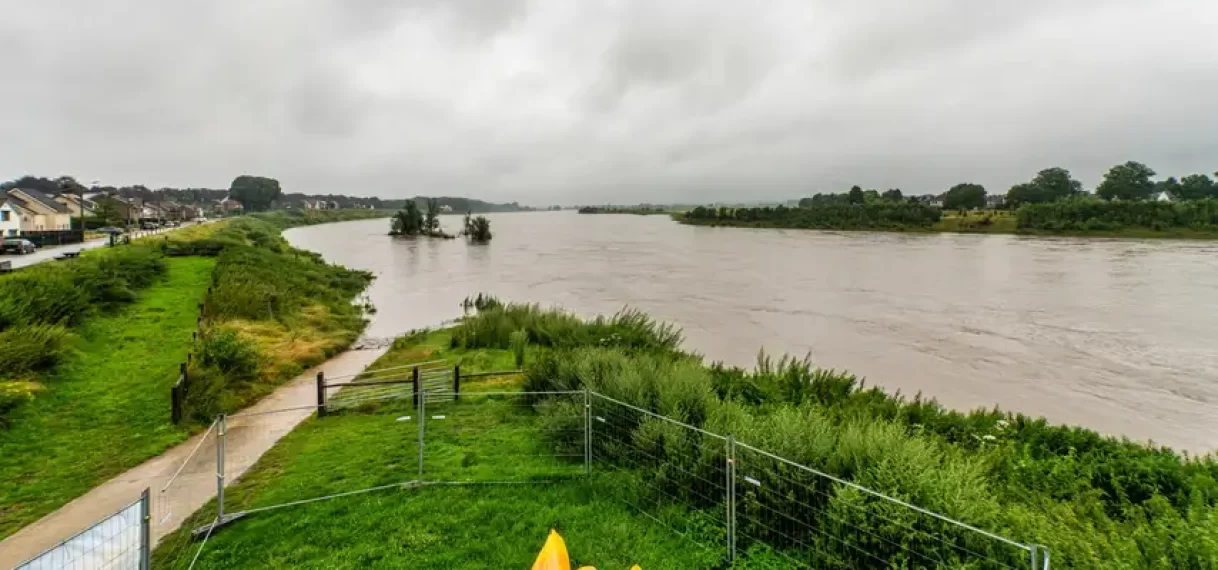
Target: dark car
17,245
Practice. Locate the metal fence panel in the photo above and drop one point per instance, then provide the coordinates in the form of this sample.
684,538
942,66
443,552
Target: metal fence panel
814,520
670,472
118,542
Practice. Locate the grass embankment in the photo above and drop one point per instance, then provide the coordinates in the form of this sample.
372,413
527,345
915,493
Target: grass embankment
89,348
488,438
1096,502
274,311
104,409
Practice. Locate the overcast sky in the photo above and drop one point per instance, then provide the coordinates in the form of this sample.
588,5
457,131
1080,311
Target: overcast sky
589,101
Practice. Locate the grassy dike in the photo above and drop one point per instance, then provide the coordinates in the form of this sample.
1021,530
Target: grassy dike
1096,502
91,347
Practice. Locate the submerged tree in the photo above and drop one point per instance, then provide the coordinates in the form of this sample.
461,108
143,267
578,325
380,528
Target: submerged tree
468,226
431,223
480,229
408,221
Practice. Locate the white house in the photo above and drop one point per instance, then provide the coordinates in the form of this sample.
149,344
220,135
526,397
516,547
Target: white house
10,219
39,212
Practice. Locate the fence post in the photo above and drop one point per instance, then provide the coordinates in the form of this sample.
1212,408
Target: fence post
421,406
456,382
414,380
145,530
587,433
321,394
221,432
730,468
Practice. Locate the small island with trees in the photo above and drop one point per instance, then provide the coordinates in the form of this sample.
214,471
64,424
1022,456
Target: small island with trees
1128,202
413,222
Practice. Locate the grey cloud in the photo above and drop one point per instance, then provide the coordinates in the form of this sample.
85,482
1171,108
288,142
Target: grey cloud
553,101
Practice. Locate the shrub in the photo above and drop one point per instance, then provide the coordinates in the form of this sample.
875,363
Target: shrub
13,394
518,340
32,348
225,350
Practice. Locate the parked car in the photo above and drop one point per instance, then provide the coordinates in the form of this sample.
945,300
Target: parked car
150,226
18,245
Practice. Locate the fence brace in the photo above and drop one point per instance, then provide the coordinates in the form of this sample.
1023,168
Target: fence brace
145,530
730,470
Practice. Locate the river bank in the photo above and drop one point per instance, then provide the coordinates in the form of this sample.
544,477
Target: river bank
1094,502
1073,218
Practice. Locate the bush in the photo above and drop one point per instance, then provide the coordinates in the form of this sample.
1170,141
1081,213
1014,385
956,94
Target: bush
65,293
1094,214
518,339
225,350
628,329
1096,502
27,349
885,214
13,394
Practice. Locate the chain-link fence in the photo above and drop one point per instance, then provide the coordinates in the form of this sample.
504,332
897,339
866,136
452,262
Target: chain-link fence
732,499
120,541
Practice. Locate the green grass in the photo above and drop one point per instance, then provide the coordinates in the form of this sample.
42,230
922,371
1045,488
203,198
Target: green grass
480,438
106,408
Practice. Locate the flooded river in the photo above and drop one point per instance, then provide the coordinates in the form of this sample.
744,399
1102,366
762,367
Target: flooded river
1117,335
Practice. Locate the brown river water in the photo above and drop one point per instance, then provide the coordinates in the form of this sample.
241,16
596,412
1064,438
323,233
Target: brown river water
1117,335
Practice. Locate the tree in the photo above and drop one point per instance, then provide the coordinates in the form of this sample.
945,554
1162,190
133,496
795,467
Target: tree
480,230
1129,181
855,196
1196,187
108,211
431,222
408,221
893,194
967,196
469,219
870,196
1049,185
255,193
1056,183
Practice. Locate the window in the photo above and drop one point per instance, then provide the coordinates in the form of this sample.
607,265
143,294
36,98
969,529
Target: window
5,215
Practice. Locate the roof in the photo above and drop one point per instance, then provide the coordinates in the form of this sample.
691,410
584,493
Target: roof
43,199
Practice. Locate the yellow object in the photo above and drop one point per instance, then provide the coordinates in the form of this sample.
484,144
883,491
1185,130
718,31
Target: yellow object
554,556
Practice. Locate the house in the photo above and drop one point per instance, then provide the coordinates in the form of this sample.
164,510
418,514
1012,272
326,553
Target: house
10,219
39,212
128,210
995,201
1164,197
446,209
72,201
152,211
229,206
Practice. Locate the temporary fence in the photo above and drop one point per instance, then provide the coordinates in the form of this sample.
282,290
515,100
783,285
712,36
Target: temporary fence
120,541
735,500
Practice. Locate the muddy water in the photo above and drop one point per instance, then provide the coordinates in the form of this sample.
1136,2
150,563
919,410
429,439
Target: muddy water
1117,335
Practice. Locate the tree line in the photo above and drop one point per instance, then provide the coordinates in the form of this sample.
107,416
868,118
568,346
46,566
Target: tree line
880,214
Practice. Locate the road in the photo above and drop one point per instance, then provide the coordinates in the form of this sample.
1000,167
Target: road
182,480
51,252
